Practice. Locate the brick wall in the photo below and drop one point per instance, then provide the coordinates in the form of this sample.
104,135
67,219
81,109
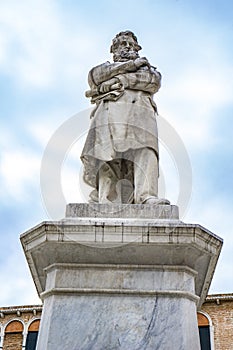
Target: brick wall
221,314
13,341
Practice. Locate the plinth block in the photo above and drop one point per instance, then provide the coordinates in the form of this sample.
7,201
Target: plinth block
137,211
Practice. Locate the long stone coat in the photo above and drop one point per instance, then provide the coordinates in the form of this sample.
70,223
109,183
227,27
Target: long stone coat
124,118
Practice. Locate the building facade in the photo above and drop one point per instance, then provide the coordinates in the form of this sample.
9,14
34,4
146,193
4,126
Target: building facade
216,322
19,325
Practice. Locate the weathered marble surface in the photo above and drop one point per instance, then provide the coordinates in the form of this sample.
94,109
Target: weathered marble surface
120,155
114,322
119,307
136,211
120,278
91,240
120,283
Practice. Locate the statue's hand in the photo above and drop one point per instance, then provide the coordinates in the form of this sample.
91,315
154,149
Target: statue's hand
141,61
106,86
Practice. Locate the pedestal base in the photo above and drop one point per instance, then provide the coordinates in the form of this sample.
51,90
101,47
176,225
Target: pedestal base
120,282
119,307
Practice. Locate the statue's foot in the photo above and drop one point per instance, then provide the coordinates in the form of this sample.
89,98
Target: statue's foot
156,201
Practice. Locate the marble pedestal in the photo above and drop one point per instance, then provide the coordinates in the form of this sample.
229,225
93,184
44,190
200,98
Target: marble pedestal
120,277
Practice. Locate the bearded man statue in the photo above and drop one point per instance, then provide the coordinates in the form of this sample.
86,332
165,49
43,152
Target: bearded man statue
121,155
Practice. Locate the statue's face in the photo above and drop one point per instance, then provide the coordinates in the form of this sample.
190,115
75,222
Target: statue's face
125,49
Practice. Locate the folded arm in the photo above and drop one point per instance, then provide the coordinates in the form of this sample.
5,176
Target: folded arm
108,70
137,75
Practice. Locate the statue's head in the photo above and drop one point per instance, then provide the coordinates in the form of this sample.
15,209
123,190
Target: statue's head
125,47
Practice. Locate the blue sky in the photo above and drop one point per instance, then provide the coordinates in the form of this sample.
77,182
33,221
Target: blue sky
46,50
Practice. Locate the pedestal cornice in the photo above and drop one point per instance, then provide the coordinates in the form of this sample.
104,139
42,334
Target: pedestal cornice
136,241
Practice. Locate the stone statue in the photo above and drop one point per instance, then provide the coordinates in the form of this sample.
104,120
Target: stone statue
120,155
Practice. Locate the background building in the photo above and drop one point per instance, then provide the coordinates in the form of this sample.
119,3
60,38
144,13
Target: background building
19,327
216,322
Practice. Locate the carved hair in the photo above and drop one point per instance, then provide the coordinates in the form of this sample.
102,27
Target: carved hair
115,41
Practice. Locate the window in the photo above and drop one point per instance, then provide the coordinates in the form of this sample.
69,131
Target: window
13,339
32,335
204,331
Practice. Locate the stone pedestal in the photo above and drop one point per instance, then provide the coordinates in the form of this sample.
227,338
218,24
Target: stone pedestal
120,277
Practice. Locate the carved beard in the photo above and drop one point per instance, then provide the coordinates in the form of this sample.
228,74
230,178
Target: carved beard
124,55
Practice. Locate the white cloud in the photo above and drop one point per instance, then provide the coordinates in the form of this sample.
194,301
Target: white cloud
19,288
203,87
213,213
29,29
194,101
38,47
3,49
197,87
41,132
18,170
